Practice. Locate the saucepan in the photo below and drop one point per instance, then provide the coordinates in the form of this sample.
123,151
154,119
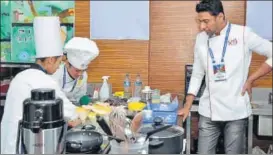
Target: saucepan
138,144
133,143
168,141
83,139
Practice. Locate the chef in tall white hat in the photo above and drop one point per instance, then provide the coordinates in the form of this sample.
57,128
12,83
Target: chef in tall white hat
48,58
71,75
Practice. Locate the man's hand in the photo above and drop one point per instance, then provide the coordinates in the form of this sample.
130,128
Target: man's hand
262,71
247,88
184,112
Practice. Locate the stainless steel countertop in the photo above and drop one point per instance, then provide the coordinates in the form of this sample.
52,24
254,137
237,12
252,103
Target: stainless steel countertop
262,111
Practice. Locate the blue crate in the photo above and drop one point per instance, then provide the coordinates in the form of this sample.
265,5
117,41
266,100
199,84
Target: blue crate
167,111
171,107
167,117
163,107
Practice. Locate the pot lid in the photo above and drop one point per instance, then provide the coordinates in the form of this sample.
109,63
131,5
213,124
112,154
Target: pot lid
88,127
173,131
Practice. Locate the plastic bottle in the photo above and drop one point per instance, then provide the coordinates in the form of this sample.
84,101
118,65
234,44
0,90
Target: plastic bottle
138,86
104,90
96,94
127,86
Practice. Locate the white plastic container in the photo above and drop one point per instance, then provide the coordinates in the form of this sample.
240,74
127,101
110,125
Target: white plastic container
104,90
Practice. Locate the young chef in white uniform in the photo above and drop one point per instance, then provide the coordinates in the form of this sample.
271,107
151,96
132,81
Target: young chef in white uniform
223,53
71,75
264,69
48,58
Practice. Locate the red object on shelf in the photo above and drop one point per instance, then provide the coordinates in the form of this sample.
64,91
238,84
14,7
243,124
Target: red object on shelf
4,87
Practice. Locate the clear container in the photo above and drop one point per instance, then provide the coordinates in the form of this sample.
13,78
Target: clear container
138,86
156,96
138,147
127,86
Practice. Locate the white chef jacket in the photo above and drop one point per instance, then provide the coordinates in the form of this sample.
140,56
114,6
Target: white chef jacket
222,101
73,88
20,89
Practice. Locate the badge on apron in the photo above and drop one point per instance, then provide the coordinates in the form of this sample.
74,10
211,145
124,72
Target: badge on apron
219,72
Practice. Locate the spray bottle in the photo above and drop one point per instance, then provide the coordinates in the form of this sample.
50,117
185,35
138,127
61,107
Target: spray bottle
104,90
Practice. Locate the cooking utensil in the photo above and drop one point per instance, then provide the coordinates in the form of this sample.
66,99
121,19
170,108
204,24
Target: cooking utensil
162,142
104,126
136,143
115,138
129,134
150,133
82,141
118,122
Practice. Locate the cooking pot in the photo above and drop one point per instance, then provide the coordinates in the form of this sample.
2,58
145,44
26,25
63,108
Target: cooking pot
139,146
138,143
168,141
83,139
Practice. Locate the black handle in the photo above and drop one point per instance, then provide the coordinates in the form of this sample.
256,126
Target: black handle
157,130
104,126
115,138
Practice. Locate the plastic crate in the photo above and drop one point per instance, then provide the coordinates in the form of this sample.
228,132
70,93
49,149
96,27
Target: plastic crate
167,111
167,117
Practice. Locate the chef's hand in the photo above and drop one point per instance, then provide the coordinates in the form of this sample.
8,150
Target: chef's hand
247,88
73,123
184,112
136,122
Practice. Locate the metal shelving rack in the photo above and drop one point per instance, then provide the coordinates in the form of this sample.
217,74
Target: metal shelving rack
12,66
15,65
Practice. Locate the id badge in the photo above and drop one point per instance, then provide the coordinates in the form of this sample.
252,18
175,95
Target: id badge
219,72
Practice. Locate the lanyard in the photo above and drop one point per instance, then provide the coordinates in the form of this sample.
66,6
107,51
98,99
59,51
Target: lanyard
64,81
39,67
42,69
224,48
